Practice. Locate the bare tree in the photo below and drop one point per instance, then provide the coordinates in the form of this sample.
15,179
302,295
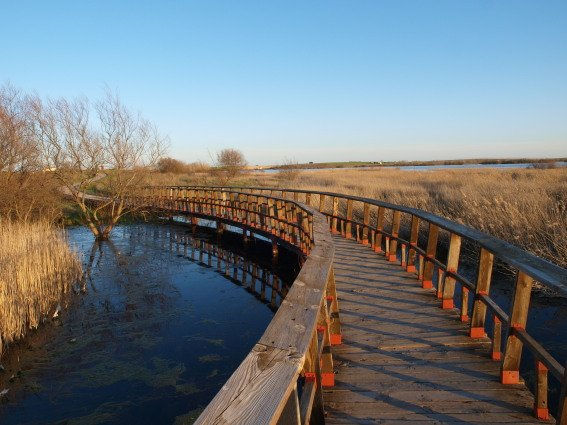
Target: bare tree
229,163
25,192
117,148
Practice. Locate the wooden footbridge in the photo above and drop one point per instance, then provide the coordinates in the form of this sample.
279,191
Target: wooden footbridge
381,325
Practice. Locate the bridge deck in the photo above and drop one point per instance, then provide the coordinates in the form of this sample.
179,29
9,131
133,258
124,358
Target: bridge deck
404,360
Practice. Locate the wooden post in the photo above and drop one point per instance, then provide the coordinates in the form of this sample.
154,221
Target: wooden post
327,371
313,414
365,221
334,222
452,265
464,304
290,414
520,305
413,243
484,276
431,251
321,202
496,339
396,217
379,230
348,229
308,199
335,323
541,410
562,408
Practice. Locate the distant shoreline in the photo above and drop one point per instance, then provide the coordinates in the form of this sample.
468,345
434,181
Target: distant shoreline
374,164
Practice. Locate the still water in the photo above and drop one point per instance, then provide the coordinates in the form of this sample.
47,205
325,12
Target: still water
153,338
428,167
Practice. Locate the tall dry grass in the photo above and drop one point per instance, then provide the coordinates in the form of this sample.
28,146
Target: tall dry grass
525,207
37,270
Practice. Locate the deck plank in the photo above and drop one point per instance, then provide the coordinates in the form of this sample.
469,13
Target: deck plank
404,360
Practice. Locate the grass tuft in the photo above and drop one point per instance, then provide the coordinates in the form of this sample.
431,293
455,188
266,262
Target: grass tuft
37,270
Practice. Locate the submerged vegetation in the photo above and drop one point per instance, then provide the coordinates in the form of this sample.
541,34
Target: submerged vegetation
37,271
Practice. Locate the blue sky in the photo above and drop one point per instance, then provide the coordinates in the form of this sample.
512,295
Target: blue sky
310,80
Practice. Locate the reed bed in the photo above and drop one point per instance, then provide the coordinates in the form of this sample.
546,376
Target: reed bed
37,271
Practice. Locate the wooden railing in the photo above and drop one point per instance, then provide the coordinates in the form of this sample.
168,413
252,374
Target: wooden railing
418,252
280,380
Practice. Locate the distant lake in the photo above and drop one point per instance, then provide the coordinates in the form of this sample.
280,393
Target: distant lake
426,167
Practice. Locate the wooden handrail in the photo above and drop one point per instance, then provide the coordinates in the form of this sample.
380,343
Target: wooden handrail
281,379
424,261
539,269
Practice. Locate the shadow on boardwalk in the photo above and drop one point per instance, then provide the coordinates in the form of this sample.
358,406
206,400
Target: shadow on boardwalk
404,360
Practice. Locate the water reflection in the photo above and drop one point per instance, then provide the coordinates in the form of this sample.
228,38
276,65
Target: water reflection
158,331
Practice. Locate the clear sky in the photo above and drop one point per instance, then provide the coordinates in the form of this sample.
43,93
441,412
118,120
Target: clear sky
310,80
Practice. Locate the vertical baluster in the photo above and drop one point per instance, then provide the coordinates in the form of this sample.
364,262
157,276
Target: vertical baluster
334,227
496,339
448,291
314,414
290,413
562,408
327,371
379,229
396,218
431,251
413,243
348,229
484,277
541,410
464,304
335,323
321,203
365,221
520,305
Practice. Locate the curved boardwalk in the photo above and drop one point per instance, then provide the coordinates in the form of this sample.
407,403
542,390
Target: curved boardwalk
404,360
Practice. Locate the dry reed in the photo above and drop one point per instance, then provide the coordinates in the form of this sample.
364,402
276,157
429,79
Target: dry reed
37,270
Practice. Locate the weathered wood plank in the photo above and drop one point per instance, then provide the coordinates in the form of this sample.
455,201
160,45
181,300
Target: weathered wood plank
404,359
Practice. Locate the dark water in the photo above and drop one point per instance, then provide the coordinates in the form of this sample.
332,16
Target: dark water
151,341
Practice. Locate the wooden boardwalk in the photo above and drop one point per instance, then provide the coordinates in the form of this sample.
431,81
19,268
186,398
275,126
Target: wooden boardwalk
404,360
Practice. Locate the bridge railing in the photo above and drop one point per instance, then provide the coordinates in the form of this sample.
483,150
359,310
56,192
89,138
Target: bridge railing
281,379
379,225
